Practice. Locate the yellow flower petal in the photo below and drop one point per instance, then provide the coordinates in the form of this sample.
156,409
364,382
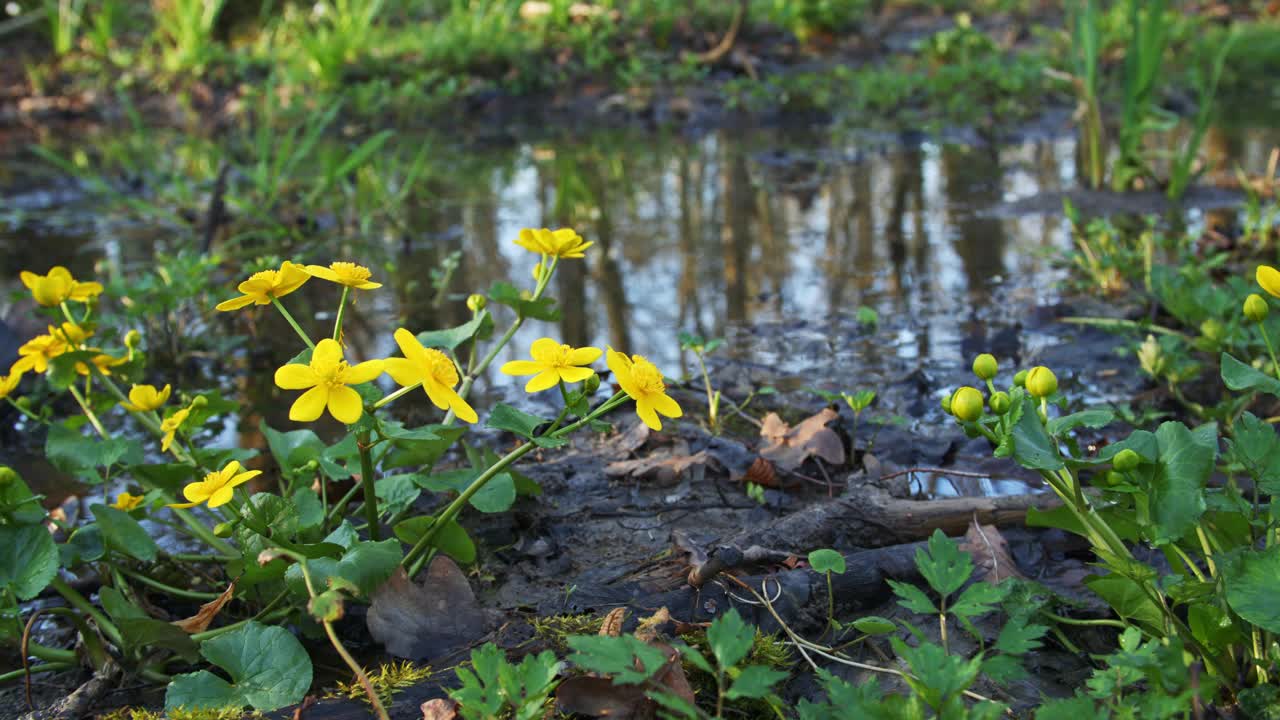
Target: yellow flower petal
234,303
182,506
362,373
542,381
404,372
310,405
410,346
322,272
328,354
345,404
221,496
197,491
575,374
644,408
460,408
438,393
520,367
667,406
1269,278
544,350
243,478
296,377
584,355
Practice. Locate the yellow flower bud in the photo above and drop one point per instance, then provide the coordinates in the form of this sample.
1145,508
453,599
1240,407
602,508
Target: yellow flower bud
985,366
999,403
1213,330
476,302
1268,279
1041,382
1255,308
966,404
132,339
1126,460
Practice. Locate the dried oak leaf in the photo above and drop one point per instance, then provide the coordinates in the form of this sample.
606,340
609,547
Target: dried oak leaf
789,447
427,621
612,624
207,612
439,709
662,469
990,552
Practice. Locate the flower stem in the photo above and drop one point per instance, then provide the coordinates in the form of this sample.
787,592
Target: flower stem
23,410
1266,337
293,323
88,412
366,482
35,669
395,395
342,306
78,601
162,587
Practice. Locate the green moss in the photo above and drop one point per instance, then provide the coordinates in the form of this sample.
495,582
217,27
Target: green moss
389,679
554,629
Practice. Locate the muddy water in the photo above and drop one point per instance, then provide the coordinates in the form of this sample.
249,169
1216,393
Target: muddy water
772,239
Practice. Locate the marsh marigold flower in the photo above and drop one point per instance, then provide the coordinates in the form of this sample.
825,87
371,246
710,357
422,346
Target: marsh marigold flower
966,403
262,287
169,426
1041,382
1269,279
562,243
640,379
35,354
217,488
434,370
126,502
552,364
326,379
345,273
103,362
9,383
58,286
143,398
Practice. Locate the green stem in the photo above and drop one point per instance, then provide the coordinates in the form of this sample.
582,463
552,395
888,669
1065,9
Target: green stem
88,412
162,587
396,395
341,504
366,482
1101,622
78,601
342,306
35,669
23,410
293,323
1266,337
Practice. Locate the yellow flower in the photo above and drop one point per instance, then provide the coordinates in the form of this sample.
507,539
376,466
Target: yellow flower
170,425
71,333
552,363
126,502
562,243
217,488
345,273
434,370
327,376
103,362
643,382
9,383
1269,278
58,286
262,287
143,398
36,353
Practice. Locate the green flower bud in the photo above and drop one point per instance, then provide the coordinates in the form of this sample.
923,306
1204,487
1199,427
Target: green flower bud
591,384
946,404
312,465
1020,379
985,366
1041,382
8,475
23,403
1213,330
966,404
1126,460
476,302
1255,308
999,403
199,401
1111,478
224,529
132,339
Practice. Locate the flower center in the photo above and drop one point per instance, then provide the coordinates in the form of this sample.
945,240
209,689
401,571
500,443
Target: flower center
331,377
646,376
559,357
351,271
441,368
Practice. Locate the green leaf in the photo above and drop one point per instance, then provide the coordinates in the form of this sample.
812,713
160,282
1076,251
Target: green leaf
944,567
505,417
368,564
913,598
1256,447
754,682
1085,418
540,309
148,633
124,534
1177,488
978,599
616,656
396,492
292,449
730,638
17,503
1238,376
310,510
267,665
451,338
418,452
451,539
1253,584
1128,600
938,676
1017,637
117,607
497,495
28,559
1031,446
84,545
81,455
826,560
874,625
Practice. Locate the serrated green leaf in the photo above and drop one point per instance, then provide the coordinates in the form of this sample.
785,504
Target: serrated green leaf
913,598
754,682
730,638
944,566
616,656
1084,418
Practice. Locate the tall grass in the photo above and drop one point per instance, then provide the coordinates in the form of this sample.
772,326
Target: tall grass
1086,33
186,29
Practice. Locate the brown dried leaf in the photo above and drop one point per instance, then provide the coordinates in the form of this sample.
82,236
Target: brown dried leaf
439,709
789,447
762,473
647,630
662,469
672,676
427,621
990,552
207,612
612,625
599,697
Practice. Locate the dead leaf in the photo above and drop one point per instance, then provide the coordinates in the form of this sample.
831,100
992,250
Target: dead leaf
647,630
207,612
990,552
612,625
300,712
599,697
439,709
424,622
762,473
672,677
633,439
659,468
789,447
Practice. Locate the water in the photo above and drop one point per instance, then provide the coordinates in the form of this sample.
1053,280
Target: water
772,239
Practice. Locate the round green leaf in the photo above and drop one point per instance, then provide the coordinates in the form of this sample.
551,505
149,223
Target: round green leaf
827,560
268,667
28,559
874,625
